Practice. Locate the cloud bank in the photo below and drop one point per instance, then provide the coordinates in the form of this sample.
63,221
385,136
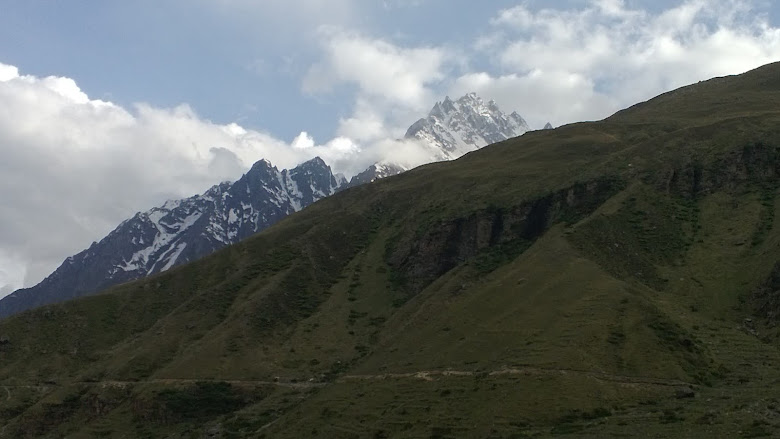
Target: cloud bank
584,64
393,85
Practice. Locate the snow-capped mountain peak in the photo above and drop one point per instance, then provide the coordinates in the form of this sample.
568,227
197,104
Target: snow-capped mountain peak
183,230
376,172
455,127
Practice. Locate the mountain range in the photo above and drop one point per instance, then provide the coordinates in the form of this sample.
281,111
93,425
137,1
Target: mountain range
617,278
182,231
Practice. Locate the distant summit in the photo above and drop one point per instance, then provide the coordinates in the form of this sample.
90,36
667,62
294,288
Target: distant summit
548,126
454,128
375,172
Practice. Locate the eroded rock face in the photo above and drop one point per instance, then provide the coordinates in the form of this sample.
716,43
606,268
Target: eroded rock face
753,163
766,299
489,236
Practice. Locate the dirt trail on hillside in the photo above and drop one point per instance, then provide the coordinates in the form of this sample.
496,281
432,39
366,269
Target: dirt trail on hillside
289,384
430,375
425,375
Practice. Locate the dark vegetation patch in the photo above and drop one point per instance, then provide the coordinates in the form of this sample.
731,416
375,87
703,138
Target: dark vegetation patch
765,299
488,238
755,162
766,218
649,229
324,254
295,297
199,402
758,428
671,416
576,420
660,222
78,405
694,358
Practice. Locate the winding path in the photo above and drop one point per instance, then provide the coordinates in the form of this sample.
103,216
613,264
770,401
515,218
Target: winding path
430,375
425,375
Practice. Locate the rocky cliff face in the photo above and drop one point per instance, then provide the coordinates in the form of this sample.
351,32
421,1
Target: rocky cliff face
766,298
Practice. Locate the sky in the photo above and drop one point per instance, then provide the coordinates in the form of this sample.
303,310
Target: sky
112,107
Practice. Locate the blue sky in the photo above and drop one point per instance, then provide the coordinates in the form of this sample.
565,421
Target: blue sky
111,107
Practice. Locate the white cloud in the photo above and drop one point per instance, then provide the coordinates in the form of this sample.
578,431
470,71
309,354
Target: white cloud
409,153
72,167
12,273
393,87
303,141
8,72
370,120
584,64
393,84
379,69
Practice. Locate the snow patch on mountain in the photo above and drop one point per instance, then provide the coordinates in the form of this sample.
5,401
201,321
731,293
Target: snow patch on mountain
180,231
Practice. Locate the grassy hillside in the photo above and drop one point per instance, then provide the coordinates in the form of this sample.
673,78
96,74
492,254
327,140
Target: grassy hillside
601,279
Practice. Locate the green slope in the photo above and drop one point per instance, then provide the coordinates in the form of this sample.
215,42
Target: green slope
616,278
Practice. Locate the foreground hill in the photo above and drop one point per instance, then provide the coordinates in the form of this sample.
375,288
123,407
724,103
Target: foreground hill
599,279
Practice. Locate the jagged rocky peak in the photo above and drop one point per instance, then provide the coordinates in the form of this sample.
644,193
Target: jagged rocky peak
314,169
375,172
451,129
455,127
548,126
261,165
310,181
